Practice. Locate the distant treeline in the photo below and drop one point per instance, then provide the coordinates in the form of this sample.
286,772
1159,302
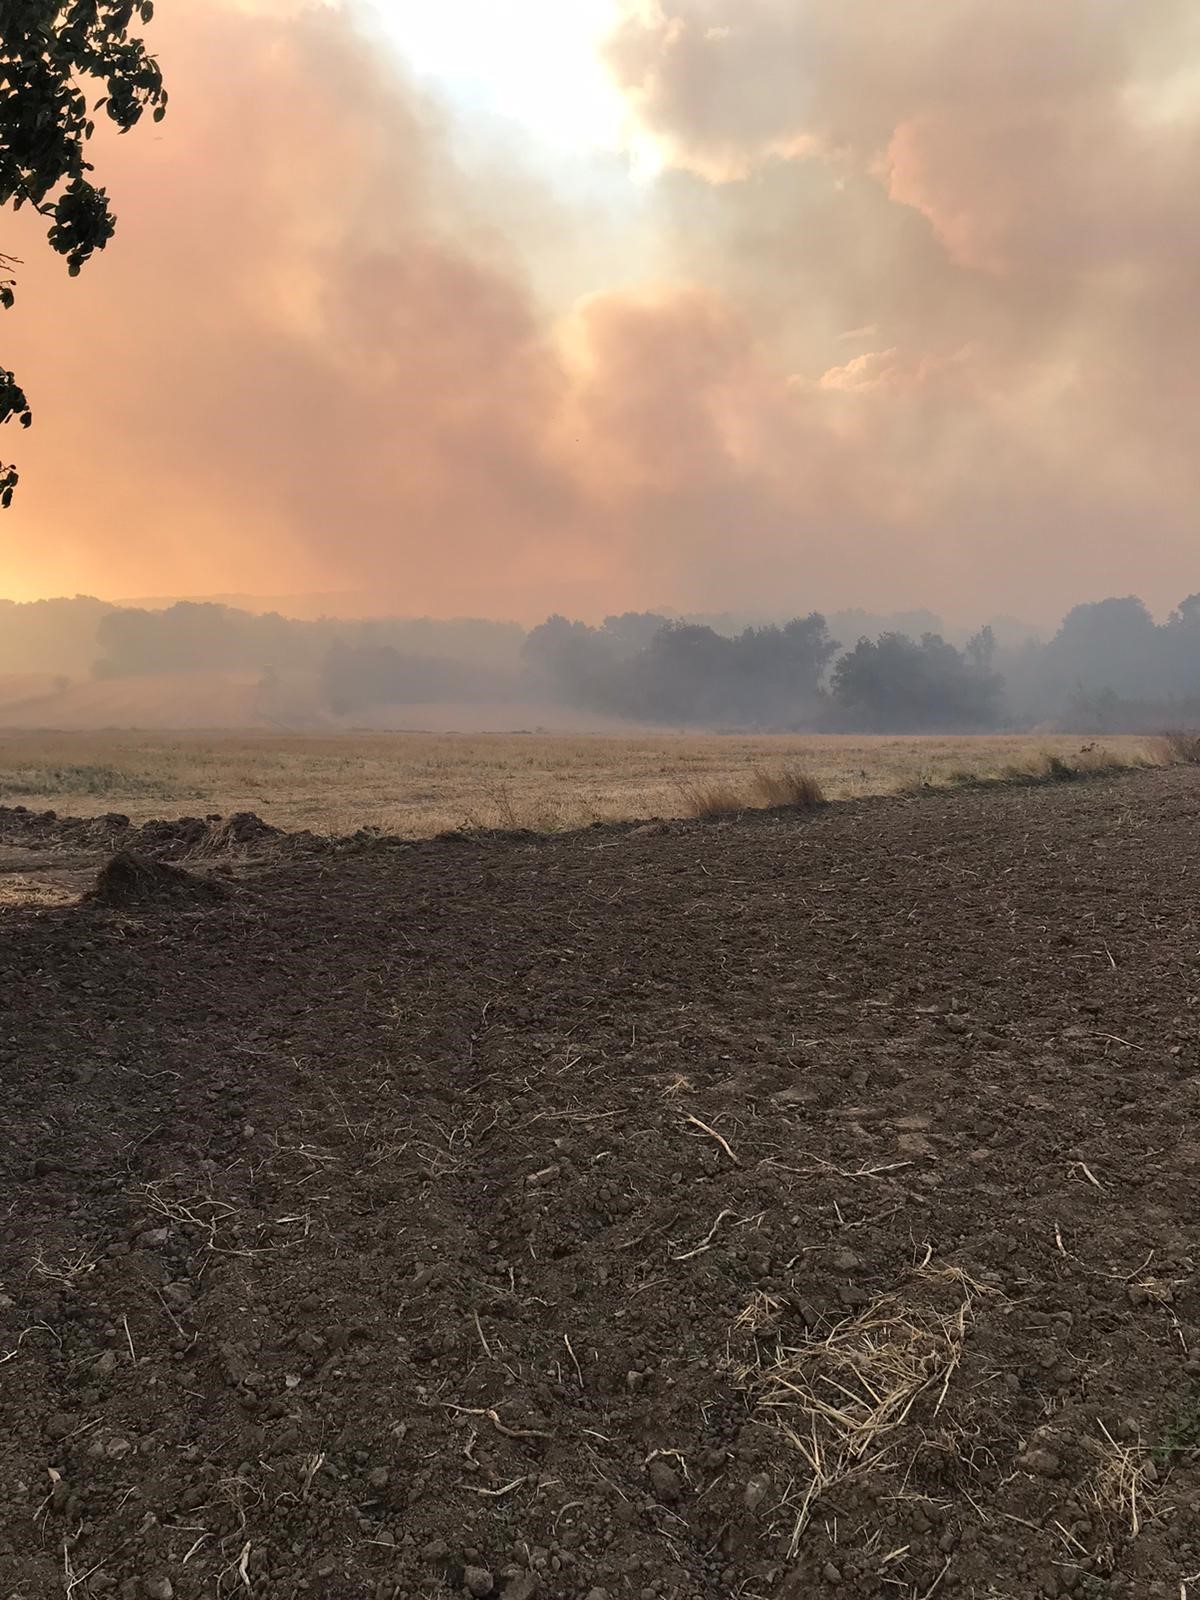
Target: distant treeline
791,676
1109,667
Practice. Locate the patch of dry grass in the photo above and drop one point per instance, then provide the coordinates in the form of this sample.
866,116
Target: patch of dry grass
417,784
1179,748
788,786
1043,765
767,789
712,800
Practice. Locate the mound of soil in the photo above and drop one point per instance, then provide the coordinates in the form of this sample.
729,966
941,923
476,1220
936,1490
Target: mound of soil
172,838
785,1208
130,879
210,836
46,829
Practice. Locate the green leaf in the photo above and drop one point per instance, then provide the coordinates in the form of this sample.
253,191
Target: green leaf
54,56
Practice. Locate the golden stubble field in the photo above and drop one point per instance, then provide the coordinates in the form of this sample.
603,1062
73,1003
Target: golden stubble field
416,784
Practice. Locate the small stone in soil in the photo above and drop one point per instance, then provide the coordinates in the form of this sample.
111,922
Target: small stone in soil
1044,1463
756,1491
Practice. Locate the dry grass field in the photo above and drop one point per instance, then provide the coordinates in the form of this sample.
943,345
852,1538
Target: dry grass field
419,784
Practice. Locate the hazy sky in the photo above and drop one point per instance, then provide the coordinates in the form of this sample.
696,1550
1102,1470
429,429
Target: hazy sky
595,304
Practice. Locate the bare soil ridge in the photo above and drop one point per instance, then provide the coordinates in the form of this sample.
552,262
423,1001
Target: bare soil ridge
794,1206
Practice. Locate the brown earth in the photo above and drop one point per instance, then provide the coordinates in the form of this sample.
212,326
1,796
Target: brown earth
793,1207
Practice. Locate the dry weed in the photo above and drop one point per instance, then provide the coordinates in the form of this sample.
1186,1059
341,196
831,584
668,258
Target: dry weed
787,786
1179,748
1097,759
1088,761
712,800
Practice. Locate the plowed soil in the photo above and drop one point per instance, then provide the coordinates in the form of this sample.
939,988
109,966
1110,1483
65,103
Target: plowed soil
792,1207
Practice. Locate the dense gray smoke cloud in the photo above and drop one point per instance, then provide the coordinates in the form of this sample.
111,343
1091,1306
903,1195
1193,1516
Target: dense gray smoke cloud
923,331
991,203
305,361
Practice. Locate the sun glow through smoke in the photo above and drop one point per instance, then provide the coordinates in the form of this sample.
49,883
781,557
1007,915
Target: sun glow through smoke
534,62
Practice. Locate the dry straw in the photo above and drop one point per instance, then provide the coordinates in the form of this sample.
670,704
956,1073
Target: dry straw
842,1401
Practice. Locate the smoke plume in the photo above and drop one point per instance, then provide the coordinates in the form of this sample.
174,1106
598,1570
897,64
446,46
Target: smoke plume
923,331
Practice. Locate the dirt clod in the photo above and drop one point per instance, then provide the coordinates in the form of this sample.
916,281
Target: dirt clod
523,1586
665,1482
1045,1463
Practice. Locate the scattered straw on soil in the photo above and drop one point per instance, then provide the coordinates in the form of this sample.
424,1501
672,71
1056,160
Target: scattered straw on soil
842,1401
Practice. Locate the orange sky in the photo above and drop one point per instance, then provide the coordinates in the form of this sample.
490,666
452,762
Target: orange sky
906,317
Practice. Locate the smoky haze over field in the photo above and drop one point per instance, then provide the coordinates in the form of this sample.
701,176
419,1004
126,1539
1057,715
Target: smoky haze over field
85,663
904,317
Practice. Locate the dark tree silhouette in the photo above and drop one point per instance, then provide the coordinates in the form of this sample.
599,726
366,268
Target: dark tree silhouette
54,55
897,684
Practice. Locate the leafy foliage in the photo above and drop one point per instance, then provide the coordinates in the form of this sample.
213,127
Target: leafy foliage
646,667
53,56
896,683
